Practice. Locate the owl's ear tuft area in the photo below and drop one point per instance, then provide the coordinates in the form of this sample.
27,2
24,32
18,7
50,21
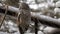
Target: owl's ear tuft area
23,5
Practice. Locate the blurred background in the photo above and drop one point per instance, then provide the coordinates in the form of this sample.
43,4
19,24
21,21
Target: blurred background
49,8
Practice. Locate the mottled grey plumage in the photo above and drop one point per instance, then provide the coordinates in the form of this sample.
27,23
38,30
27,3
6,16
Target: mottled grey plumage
24,16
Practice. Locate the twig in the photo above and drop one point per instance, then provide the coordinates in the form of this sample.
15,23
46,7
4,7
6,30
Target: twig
4,16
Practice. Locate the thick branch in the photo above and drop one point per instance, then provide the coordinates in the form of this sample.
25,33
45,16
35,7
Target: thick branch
47,20
44,19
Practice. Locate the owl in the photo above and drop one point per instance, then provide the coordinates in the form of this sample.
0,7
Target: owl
24,16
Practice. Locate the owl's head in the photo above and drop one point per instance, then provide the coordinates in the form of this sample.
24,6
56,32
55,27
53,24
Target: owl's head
23,5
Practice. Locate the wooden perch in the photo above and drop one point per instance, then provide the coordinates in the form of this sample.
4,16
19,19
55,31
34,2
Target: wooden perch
10,8
46,20
43,19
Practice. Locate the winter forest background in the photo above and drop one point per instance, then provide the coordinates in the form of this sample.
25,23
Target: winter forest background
48,8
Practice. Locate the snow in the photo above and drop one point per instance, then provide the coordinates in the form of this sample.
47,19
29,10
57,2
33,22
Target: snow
12,27
58,4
